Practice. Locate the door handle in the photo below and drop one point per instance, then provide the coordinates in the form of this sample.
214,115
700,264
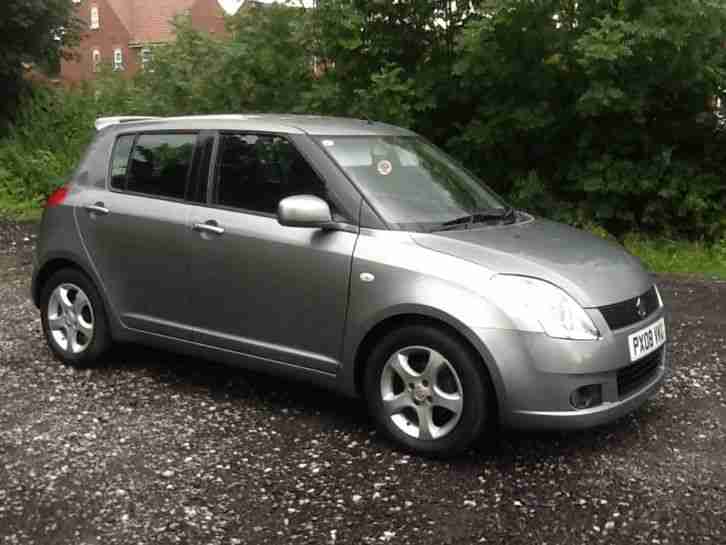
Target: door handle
97,208
209,227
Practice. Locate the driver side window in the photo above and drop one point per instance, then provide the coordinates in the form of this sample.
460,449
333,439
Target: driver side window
255,172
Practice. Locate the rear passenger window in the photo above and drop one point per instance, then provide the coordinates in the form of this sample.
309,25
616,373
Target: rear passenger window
159,165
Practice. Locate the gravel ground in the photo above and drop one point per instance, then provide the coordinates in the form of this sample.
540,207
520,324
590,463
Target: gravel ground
157,448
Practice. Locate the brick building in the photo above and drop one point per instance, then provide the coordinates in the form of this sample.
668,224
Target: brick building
122,33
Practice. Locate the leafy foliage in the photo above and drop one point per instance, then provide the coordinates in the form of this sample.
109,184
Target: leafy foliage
587,112
264,66
53,128
595,111
31,31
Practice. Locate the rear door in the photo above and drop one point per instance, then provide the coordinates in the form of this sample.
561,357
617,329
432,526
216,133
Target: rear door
136,233
275,292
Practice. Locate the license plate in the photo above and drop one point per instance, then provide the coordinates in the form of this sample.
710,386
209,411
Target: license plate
647,340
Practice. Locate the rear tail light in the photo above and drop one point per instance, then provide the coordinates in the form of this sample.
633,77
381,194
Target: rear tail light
57,197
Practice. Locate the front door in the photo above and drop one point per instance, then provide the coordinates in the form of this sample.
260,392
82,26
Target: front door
278,293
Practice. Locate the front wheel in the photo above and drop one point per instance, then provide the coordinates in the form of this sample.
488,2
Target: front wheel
73,317
427,390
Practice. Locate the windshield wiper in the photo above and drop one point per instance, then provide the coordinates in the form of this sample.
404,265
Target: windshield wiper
487,214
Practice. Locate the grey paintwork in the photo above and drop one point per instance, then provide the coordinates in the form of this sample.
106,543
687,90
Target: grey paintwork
304,211
138,243
574,260
296,311
290,300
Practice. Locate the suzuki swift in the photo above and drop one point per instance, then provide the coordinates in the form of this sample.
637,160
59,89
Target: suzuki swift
353,255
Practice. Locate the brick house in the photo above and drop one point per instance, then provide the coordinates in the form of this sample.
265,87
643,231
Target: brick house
122,33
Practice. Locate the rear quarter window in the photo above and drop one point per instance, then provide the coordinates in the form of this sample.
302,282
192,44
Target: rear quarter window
155,164
120,161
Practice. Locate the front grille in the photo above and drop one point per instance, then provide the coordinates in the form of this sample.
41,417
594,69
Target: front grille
625,313
638,374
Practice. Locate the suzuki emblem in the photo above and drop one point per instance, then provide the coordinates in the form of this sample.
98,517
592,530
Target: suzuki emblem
640,307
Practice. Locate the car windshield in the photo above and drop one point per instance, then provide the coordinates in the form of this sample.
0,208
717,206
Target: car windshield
413,184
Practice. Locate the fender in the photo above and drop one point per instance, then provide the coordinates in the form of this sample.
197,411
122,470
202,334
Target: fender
347,378
393,277
47,265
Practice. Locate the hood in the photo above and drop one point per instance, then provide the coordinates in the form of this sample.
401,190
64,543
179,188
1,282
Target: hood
594,271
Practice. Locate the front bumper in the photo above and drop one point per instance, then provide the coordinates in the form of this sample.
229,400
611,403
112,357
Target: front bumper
538,374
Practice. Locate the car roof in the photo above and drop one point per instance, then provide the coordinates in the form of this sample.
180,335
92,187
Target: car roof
279,123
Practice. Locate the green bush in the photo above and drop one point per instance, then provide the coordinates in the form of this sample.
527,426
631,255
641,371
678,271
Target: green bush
53,128
673,199
27,175
597,111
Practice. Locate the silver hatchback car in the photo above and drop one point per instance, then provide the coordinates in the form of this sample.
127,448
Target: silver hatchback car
351,254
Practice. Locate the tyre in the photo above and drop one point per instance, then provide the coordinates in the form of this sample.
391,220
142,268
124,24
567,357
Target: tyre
427,390
74,319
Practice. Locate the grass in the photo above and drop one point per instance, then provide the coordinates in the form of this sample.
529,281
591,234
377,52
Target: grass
680,257
20,211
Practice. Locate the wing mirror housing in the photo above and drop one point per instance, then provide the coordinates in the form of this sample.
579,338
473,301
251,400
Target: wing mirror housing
304,211
311,212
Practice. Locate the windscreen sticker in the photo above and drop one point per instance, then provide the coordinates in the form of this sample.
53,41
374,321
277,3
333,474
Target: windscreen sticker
385,167
328,143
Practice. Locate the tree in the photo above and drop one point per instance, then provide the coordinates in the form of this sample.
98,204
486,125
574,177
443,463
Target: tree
31,31
265,64
395,58
587,112
601,104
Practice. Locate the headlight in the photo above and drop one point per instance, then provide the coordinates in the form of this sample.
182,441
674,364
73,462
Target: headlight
536,305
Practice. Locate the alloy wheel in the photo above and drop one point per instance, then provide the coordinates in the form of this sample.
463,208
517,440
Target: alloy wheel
421,393
70,319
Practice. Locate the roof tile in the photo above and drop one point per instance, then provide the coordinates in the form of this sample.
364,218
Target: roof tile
150,22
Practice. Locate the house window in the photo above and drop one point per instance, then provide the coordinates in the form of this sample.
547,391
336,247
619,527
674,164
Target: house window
118,59
96,60
95,23
146,58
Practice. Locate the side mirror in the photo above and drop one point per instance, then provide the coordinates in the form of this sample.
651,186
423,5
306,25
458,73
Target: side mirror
304,211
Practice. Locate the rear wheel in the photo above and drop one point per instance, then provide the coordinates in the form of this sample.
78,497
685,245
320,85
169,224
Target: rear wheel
73,317
427,390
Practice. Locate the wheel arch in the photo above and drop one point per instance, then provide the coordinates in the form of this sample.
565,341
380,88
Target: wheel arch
48,269
61,261
452,326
